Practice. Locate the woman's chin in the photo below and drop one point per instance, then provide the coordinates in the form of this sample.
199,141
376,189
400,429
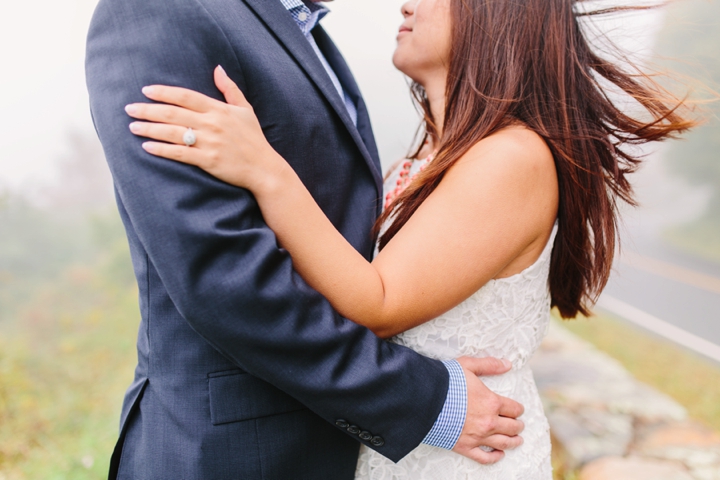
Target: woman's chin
401,63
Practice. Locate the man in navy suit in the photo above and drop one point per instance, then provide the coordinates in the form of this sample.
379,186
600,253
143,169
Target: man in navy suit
244,372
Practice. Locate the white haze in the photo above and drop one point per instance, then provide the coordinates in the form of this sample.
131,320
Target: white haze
42,88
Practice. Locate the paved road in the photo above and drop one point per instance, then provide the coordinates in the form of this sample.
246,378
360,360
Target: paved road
654,285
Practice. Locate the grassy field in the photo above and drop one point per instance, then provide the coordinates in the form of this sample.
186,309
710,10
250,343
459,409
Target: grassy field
700,239
63,369
67,352
68,320
66,362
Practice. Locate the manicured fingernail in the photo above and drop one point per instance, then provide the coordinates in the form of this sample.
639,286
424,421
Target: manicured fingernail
148,146
131,109
222,69
506,363
135,127
148,90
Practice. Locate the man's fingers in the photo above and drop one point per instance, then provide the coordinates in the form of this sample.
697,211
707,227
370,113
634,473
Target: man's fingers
509,427
483,457
485,366
491,419
233,94
510,408
483,426
503,442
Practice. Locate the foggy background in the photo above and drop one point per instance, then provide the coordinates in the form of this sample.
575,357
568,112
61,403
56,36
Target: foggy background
68,308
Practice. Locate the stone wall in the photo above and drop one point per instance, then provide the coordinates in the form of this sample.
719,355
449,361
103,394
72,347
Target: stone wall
611,426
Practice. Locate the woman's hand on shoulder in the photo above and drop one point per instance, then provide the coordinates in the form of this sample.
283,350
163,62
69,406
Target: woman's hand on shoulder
230,143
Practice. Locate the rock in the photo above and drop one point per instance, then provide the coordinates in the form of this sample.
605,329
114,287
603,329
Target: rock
690,443
560,339
554,370
648,405
593,379
599,414
633,468
588,434
571,372
707,473
689,434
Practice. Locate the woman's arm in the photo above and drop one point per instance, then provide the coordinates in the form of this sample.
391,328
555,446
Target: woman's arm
490,216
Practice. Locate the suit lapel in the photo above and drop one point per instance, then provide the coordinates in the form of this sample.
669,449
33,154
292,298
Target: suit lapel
276,18
341,69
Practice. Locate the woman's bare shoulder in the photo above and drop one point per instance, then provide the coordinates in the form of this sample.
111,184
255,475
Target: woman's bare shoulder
514,154
516,168
514,146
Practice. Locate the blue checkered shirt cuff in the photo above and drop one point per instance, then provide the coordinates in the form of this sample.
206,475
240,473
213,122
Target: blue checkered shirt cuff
448,426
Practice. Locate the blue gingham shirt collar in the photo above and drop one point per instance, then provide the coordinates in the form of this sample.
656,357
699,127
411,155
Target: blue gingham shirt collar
306,14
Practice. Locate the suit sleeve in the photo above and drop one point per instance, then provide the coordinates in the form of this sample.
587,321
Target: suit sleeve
216,257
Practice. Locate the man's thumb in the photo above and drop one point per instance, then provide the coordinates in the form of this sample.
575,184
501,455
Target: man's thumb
485,366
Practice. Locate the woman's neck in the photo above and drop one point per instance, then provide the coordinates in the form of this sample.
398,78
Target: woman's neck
435,91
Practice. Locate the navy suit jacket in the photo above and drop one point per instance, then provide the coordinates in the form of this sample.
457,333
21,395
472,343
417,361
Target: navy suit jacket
244,372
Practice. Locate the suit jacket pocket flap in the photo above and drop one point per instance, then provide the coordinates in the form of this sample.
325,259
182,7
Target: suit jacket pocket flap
237,396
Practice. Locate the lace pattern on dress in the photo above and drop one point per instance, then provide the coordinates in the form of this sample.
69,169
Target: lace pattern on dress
507,318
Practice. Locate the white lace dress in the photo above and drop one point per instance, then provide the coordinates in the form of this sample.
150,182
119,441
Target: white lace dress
506,318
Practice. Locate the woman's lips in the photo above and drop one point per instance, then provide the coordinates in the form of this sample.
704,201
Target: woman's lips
404,29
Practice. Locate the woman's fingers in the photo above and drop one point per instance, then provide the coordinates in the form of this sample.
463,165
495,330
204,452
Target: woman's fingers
159,131
167,114
233,94
182,97
183,154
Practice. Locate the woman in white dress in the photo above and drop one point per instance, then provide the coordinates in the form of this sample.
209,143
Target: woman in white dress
507,208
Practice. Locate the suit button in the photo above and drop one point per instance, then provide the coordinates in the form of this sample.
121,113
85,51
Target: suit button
354,429
342,423
377,442
365,436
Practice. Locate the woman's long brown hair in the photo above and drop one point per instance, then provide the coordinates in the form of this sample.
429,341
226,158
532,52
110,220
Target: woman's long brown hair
528,62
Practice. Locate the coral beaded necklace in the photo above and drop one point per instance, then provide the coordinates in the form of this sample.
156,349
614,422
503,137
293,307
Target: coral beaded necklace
404,178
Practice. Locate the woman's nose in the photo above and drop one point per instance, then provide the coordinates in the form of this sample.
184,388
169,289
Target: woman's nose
408,8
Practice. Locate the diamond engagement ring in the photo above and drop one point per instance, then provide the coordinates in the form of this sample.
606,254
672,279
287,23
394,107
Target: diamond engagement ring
189,137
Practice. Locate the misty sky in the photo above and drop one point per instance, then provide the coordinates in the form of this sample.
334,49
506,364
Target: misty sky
42,88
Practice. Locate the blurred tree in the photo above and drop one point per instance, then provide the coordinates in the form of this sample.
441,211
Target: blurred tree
83,184
71,221
689,45
34,247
